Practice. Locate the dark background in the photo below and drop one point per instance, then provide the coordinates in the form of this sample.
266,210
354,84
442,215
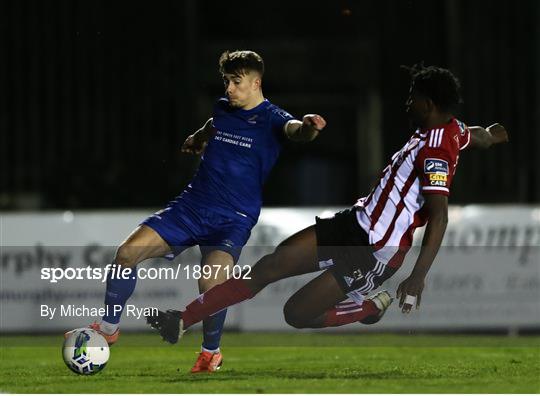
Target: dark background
96,97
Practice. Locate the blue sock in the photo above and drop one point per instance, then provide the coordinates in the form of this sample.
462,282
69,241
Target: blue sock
212,329
118,292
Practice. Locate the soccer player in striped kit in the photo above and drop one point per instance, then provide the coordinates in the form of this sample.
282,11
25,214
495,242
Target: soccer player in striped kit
359,248
240,144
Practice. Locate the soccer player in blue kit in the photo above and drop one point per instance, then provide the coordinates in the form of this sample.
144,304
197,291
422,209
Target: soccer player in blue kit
218,209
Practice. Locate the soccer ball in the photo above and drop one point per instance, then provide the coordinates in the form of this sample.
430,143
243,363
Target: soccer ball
85,351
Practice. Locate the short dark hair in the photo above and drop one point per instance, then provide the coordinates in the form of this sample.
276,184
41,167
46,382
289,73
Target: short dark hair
437,83
240,62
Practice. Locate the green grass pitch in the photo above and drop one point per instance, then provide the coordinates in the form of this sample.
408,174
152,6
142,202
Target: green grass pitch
294,362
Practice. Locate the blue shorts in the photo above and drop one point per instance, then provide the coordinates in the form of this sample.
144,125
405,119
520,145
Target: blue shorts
182,225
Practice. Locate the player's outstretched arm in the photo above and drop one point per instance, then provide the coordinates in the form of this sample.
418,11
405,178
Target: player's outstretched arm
305,131
486,137
196,143
437,207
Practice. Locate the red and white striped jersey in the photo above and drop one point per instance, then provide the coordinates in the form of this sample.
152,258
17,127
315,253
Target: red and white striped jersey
393,210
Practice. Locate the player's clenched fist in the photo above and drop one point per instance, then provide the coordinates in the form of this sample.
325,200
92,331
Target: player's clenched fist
314,121
498,133
409,293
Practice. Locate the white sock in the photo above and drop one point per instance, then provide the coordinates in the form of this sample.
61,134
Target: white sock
108,328
209,350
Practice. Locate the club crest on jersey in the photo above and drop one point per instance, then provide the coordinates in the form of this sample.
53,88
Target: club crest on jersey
402,154
437,171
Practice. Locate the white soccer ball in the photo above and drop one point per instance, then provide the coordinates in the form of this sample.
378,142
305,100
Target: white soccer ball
85,351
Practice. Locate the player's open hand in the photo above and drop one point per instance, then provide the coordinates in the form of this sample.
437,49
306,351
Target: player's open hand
409,293
193,145
499,133
314,121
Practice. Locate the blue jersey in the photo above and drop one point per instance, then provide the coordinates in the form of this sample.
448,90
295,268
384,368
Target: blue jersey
238,159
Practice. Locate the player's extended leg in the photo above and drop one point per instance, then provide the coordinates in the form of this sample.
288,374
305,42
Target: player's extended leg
217,261
296,255
307,306
220,264
141,244
353,272
316,305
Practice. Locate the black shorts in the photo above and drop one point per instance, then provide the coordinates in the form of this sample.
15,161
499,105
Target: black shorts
343,246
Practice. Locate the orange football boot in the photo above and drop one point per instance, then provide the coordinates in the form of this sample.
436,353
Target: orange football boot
207,362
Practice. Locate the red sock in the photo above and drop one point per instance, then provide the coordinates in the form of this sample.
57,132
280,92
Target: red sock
349,312
214,300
